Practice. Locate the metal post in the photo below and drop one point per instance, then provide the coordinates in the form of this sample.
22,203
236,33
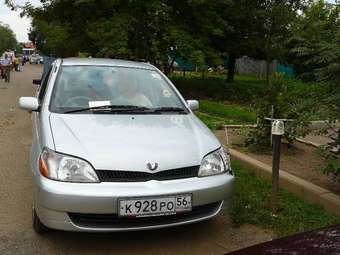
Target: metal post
277,132
275,172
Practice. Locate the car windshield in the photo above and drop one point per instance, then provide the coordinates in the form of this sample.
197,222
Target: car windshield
81,87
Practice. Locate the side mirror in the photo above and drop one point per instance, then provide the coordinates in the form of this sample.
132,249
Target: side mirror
193,104
29,103
37,81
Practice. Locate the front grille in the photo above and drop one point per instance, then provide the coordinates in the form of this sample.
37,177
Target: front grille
133,176
114,221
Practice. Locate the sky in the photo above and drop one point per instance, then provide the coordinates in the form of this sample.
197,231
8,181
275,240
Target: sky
21,26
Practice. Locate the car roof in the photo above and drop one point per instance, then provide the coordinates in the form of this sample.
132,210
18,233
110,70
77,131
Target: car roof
105,62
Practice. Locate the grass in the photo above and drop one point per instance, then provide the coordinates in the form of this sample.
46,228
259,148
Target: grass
251,205
214,122
213,89
216,114
233,112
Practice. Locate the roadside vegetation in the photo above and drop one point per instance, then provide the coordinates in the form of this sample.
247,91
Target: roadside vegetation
252,205
7,38
214,86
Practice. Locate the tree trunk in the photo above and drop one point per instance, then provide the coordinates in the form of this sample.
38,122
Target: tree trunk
267,71
231,68
172,64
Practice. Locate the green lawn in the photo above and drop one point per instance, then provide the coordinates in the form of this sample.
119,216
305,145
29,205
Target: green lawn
251,205
233,112
213,89
216,114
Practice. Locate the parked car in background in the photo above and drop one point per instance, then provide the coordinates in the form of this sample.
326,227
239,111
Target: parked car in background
318,242
117,148
36,59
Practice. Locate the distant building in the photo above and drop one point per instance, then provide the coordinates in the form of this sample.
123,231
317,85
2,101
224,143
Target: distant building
28,48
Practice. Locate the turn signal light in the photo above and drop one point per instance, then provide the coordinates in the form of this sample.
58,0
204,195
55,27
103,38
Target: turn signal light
43,167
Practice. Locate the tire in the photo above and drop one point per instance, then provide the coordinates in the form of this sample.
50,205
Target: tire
38,227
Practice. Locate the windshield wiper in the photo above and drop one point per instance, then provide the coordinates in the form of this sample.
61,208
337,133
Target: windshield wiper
168,109
111,108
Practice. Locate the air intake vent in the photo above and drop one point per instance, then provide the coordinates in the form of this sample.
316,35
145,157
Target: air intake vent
133,176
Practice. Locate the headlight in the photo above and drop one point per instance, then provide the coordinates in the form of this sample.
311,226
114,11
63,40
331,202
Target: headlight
217,162
65,168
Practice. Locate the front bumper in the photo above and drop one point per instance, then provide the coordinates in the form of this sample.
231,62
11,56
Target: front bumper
57,203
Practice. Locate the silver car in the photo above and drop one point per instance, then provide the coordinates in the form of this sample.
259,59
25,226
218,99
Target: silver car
116,148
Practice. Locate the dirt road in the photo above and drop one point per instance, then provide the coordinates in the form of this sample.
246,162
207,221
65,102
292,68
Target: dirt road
17,237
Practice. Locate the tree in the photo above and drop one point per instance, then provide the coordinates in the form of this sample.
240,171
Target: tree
150,30
7,38
315,26
255,28
272,23
315,51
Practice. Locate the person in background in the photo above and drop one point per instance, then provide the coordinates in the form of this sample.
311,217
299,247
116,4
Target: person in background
21,64
7,65
2,74
16,64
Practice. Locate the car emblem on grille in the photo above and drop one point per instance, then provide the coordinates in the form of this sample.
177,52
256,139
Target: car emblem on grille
152,166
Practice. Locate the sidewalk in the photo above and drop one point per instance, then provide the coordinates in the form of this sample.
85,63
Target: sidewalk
316,139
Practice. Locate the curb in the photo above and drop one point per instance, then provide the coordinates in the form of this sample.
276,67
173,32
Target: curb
308,142
303,189
239,126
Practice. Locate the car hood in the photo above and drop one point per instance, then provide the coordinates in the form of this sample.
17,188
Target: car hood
130,142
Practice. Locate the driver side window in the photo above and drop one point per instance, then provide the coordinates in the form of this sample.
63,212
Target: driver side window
42,87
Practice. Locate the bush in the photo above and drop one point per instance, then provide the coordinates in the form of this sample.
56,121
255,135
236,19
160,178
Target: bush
215,87
290,100
331,165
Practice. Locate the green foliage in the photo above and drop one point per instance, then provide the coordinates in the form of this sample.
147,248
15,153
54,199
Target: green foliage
144,30
213,86
109,36
251,205
331,165
290,100
53,38
202,32
316,55
7,38
315,40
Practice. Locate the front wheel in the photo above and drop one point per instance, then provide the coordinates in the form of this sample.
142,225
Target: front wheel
37,224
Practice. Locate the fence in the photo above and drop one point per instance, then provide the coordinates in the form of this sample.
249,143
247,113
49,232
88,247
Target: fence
248,66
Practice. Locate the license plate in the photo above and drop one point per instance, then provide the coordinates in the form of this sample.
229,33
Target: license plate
154,206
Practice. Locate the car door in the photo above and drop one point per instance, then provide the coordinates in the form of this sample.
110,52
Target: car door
36,120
